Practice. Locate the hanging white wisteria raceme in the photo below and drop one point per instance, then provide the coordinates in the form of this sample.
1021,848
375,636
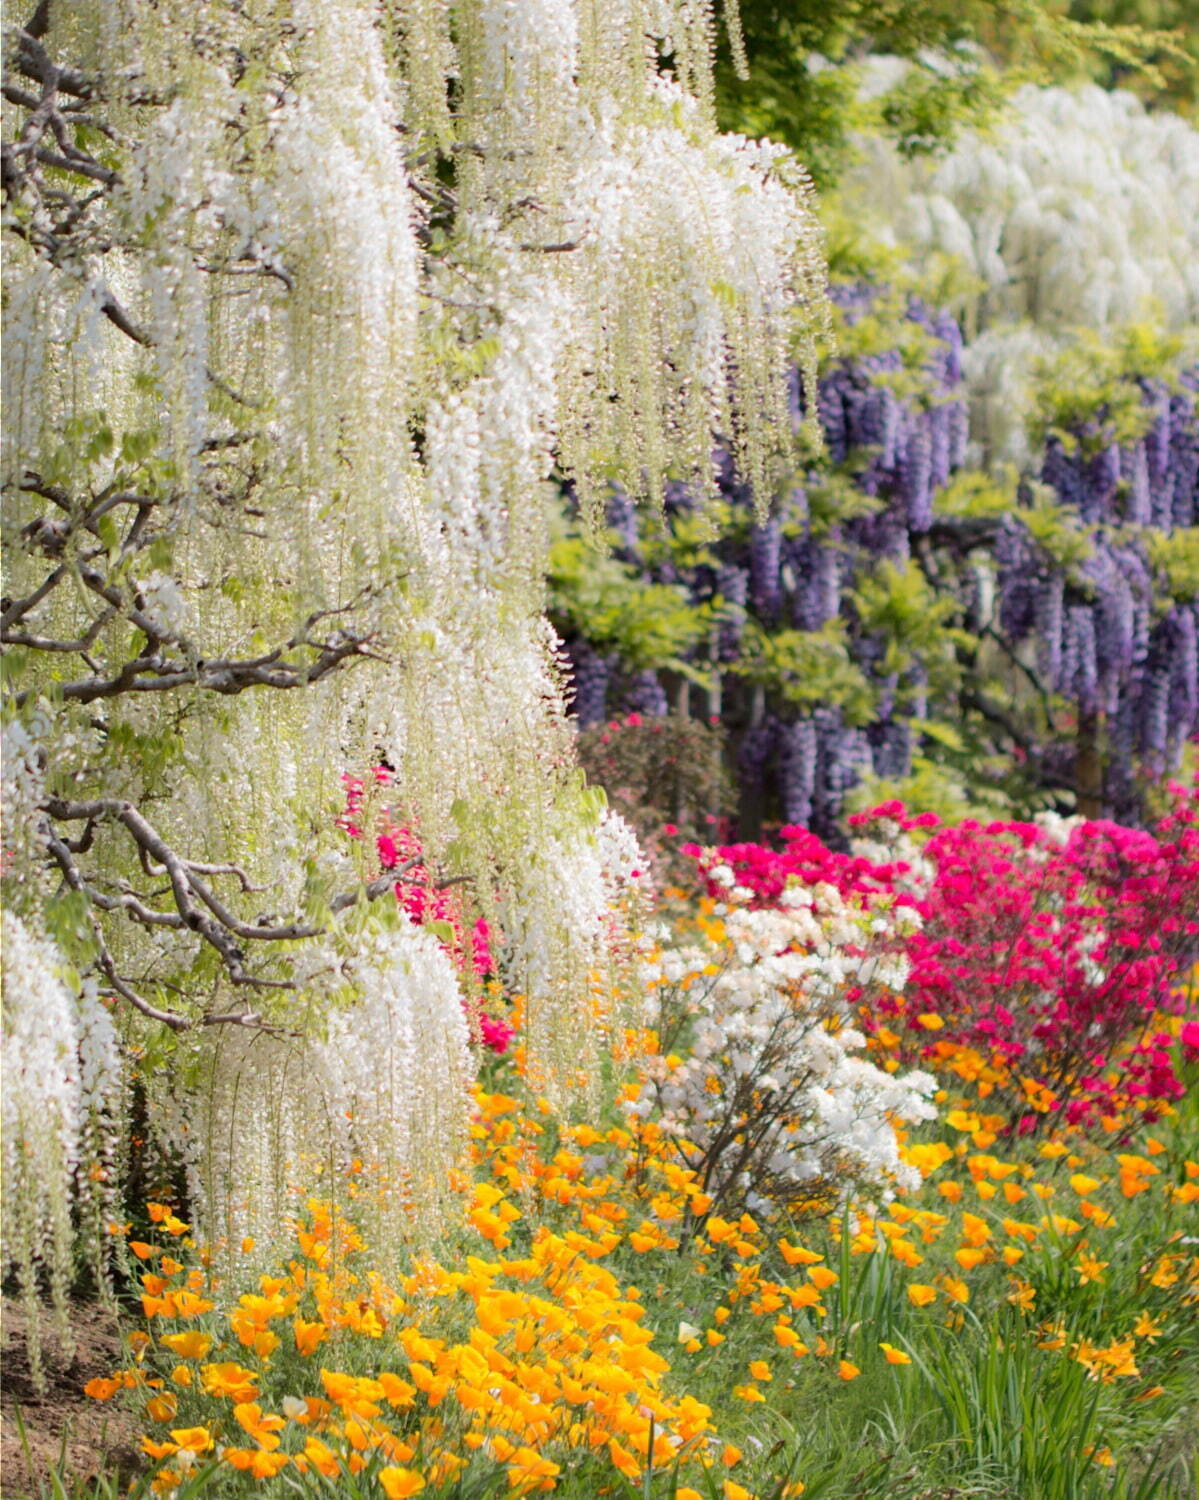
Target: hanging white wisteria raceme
1079,209
303,306
383,1082
62,1111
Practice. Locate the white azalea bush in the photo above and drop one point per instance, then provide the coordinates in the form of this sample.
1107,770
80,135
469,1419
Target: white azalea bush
758,1073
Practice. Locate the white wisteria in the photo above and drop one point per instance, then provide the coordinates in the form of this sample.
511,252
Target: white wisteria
1079,209
62,1111
303,307
373,1095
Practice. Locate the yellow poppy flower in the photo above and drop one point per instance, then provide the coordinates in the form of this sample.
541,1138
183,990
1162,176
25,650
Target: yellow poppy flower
399,1483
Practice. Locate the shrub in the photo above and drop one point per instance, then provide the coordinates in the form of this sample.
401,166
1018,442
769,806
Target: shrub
666,776
758,1076
1043,955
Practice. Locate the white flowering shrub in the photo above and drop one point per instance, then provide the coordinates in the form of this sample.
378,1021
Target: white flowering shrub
61,1073
1080,209
758,1074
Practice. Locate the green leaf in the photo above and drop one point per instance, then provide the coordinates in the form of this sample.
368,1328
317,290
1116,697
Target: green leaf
942,733
109,534
138,445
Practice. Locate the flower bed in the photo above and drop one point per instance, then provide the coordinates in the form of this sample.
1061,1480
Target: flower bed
764,1256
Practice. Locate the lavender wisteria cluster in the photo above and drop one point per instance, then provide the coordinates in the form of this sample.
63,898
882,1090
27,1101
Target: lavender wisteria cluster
1039,630
1113,634
894,426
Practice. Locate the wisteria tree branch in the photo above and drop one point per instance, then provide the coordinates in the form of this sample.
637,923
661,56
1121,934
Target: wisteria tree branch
195,905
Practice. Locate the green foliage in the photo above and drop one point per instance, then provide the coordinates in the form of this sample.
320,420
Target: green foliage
885,329
935,785
966,56
835,497
647,624
854,255
1053,528
882,330
933,100
1173,81
1026,1416
1093,381
802,85
1174,557
991,735
900,606
807,668
973,495
813,110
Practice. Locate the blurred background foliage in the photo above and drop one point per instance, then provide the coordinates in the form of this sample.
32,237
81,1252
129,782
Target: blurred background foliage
805,65
923,615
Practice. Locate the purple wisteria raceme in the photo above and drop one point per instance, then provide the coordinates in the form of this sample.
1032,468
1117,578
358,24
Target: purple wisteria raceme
590,673
758,748
798,766
646,695
765,569
732,587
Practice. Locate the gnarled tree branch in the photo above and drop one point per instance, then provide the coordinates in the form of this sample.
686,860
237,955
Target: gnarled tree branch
195,905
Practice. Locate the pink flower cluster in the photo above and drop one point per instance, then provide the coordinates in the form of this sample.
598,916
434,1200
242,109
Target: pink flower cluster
426,903
1050,956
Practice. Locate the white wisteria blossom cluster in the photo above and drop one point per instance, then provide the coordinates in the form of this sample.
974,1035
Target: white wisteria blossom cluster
295,332
598,880
62,1109
1080,209
22,786
373,1094
759,1074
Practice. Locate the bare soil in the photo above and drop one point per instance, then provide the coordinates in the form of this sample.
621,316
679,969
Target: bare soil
62,1425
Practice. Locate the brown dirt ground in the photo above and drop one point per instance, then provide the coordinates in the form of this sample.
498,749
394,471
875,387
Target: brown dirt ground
61,1421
